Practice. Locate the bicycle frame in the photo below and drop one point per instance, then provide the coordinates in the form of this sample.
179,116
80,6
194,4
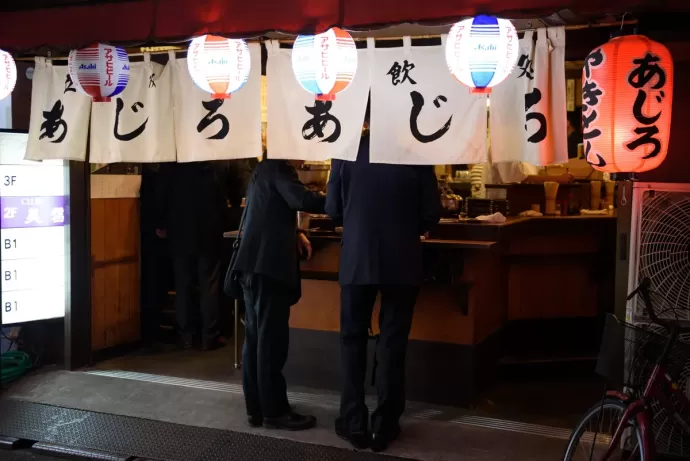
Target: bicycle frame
658,387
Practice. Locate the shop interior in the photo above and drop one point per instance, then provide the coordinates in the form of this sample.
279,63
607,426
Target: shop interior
549,347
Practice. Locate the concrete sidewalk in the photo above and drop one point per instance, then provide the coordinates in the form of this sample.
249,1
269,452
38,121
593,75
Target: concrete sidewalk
197,403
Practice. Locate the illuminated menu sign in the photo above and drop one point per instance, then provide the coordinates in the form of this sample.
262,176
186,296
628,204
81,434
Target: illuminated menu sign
35,212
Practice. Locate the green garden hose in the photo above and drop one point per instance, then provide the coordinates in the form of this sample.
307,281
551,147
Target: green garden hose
13,365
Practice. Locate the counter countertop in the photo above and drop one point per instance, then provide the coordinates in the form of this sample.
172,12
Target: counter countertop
444,243
520,219
450,243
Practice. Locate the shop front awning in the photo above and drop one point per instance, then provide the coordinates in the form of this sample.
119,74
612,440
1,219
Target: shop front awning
28,25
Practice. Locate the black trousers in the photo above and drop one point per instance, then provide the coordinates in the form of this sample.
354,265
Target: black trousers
266,342
395,321
192,270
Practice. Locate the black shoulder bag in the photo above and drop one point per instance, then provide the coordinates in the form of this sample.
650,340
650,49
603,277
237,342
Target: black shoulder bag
231,285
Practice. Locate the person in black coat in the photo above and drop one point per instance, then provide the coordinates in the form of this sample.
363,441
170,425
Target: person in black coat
268,261
384,210
192,205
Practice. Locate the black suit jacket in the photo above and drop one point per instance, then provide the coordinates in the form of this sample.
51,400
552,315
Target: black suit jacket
384,210
269,238
191,201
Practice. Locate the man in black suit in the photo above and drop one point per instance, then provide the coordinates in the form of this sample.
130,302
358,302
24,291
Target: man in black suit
192,204
384,209
268,259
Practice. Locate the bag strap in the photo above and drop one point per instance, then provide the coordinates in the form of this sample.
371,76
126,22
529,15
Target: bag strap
236,244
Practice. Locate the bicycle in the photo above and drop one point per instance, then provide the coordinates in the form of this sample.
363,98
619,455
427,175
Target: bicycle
646,365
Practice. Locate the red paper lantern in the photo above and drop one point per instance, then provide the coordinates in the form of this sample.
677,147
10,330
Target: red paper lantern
627,92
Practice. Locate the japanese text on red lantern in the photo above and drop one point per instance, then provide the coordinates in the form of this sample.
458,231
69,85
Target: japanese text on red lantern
591,95
646,72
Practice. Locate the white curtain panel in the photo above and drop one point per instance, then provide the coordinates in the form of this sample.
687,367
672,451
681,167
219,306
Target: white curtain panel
217,129
420,114
528,110
558,100
299,127
137,125
6,112
507,117
59,120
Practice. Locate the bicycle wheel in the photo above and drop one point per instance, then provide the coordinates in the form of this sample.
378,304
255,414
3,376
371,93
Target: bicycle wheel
603,419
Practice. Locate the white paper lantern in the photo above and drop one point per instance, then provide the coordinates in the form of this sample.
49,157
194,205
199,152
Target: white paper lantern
100,71
482,51
8,74
325,64
219,65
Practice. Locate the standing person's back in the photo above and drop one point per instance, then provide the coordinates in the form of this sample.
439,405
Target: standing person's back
385,209
268,261
192,206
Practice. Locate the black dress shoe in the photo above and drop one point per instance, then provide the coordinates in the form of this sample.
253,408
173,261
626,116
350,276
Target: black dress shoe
380,441
255,421
359,440
291,421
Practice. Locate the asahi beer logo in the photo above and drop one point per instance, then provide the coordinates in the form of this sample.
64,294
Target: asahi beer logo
486,48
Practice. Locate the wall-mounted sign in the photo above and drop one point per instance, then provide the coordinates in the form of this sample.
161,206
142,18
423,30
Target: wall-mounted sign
34,253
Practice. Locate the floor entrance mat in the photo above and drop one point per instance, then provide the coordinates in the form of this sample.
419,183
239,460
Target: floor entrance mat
156,440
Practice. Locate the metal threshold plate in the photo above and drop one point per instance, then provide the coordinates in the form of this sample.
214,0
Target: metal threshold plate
134,437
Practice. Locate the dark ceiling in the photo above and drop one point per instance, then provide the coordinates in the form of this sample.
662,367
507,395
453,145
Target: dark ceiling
34,26
24,5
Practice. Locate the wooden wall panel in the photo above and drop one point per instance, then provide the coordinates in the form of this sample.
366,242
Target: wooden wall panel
98,281
551,288
439,315
115,251
487,273
319,308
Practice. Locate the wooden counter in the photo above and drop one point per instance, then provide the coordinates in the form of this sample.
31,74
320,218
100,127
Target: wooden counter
491,290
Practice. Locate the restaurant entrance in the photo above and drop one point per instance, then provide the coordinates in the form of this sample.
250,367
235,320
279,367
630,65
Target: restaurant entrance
519,273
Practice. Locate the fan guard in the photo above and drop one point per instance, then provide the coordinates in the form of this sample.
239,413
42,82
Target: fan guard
664,247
